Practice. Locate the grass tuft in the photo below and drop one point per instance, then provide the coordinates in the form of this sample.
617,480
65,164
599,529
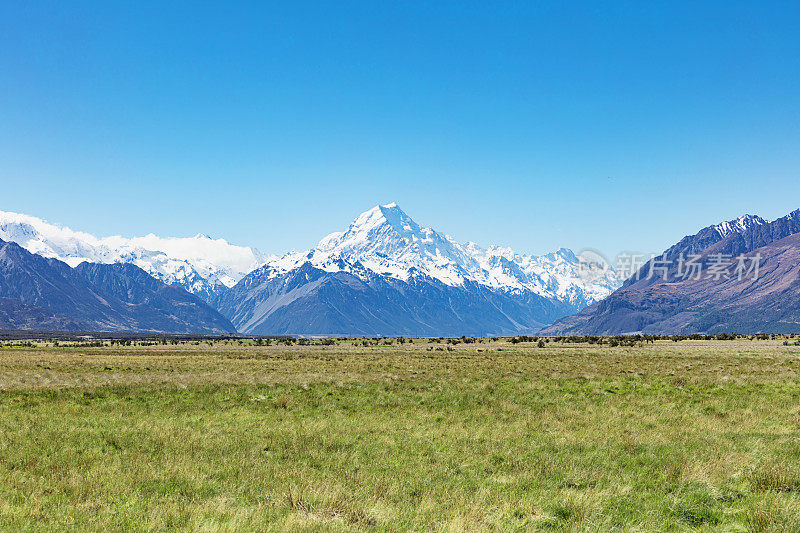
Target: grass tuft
771,514
777,477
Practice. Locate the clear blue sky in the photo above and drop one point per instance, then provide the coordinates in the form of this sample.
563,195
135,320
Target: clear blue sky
617,126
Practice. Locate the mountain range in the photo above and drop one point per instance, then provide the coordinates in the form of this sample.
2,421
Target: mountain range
199,264
716,296
384,274
47,294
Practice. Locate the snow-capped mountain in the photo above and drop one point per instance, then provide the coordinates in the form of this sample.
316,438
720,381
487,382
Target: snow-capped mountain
47,294
387,242
200,264
385,274
739,225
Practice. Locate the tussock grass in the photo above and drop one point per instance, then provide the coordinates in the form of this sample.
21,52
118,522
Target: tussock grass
782,476
674,436
773,514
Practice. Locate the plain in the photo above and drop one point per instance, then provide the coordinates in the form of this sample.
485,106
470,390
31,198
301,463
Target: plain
390,434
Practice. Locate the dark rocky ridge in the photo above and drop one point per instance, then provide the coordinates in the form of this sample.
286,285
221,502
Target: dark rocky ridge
158,306
40,293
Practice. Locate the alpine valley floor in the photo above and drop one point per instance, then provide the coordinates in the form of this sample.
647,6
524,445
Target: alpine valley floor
423,435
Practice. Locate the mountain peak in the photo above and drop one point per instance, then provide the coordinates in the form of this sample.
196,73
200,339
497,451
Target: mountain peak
379,214
739,224
378,225
386,241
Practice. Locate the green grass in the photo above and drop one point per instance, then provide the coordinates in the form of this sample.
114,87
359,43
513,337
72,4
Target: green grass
489,436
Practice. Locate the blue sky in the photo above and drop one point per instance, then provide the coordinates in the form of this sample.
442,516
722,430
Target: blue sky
610,125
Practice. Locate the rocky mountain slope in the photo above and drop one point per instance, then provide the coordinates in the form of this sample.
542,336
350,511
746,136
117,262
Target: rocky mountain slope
199,264
47,294
723,294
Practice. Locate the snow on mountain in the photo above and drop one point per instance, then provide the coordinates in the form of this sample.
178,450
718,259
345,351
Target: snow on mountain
739,225
386,241
200,264
383,240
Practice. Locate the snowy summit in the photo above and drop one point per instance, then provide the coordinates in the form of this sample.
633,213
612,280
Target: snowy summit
386,241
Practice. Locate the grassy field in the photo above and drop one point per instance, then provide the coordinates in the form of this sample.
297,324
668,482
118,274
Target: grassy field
668,436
